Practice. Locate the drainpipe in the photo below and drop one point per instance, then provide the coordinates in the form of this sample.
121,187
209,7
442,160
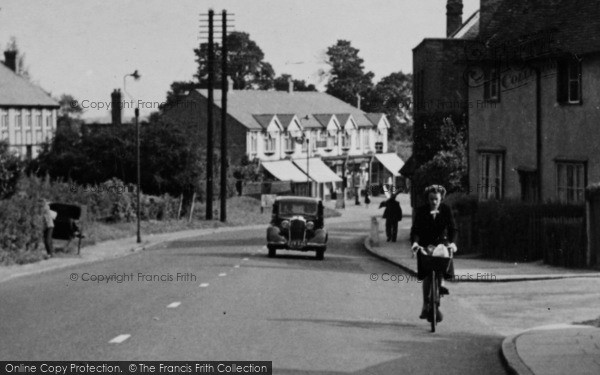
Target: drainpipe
538,126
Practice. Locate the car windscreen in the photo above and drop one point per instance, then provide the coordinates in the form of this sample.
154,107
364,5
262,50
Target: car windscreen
297,208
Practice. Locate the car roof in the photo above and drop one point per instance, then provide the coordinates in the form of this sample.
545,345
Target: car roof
297,199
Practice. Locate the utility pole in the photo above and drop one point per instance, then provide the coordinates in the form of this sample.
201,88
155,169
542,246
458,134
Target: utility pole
224,87
209,115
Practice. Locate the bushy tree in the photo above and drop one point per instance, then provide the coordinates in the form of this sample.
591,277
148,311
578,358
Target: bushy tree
346,76
281,83
10,169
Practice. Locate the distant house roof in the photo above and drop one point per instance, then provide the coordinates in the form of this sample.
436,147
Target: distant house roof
263,120
244,104
18,91
573,26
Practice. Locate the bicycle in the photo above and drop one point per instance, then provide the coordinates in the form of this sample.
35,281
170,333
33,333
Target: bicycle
437,266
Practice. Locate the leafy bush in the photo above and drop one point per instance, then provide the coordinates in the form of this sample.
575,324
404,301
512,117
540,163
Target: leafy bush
10,168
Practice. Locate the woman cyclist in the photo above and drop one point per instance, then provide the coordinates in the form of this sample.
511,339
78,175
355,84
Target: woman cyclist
433,225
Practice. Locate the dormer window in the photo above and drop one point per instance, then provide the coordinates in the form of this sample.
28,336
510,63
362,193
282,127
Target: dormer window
289,143
270,143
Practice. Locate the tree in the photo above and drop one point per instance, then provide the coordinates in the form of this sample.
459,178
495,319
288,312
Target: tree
347,76
392,96
281,83
10,169
246,65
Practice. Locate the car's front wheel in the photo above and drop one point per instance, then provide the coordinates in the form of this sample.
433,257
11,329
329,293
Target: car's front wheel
320,254
272,251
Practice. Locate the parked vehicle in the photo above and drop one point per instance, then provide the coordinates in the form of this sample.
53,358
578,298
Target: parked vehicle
297,224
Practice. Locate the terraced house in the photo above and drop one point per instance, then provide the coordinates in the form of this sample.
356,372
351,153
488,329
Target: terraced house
308,138
27,113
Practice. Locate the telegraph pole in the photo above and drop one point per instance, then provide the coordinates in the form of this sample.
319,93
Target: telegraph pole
224,87
209,115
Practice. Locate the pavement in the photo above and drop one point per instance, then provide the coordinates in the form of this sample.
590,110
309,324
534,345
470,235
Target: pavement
557,349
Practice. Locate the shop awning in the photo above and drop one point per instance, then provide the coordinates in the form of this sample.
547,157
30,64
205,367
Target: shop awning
317,170
284,170
391,162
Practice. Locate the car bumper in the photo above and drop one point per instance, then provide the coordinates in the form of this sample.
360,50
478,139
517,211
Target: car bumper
276,240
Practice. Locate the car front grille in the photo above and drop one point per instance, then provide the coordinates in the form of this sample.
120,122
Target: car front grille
297,230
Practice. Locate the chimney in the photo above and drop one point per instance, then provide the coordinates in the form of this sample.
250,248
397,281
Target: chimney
10,60
454,12
290,85
115,106
229,84
358,100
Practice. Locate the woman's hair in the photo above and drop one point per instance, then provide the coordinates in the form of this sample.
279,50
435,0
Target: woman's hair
436,189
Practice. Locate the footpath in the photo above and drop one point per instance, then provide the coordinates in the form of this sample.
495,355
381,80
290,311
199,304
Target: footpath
556,349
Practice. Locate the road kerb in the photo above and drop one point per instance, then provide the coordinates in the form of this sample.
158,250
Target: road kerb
511,357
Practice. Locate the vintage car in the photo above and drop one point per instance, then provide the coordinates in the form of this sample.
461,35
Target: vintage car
297,224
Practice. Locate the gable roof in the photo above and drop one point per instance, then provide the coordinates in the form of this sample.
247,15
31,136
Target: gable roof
17,91
323,119
243,104
285,119
263,120
572,26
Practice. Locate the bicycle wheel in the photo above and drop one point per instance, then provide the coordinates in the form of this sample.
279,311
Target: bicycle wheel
433,301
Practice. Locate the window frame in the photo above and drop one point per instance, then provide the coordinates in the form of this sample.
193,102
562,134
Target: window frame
575,193
491,161
491,80
565,81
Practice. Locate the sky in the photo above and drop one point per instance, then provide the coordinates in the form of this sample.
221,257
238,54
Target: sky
85,48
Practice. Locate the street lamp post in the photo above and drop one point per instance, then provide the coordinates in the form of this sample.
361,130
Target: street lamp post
136,76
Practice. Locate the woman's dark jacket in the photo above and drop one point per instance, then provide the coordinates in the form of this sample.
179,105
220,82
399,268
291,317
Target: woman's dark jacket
429,231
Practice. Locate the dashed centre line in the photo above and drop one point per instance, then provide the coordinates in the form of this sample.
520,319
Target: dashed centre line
203,285
119,339
173,305
245,259
236,266
222,274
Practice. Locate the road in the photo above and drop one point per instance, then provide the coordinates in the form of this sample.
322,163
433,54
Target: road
235,303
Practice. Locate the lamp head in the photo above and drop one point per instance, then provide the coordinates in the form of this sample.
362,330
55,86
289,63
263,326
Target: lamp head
136,75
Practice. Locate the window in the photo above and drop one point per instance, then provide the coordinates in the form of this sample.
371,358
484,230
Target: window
321,138
313,140
331,141
49,122
570,181
253,142
28,120
18,120
490,175
38,122
346,139
491,87
3,124
569,82
289,143
269,143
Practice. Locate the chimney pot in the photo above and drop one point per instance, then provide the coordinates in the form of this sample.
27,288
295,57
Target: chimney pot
10,60
290,85
358,100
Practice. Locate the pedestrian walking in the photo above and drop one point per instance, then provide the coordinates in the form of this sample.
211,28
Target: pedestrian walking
392,215
48,217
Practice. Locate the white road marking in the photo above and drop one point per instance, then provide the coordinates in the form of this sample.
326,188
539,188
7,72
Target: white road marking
236,266
245,259
173,305
119,339
203,285
223,274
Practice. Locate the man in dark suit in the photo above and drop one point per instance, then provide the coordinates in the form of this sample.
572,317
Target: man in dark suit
392,215
433,225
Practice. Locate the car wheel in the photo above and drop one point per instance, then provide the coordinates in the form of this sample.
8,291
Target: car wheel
320,254
272,251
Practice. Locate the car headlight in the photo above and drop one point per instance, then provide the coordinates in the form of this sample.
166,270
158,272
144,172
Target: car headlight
285,224
310,225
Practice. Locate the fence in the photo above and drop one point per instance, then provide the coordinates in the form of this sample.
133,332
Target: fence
519,232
